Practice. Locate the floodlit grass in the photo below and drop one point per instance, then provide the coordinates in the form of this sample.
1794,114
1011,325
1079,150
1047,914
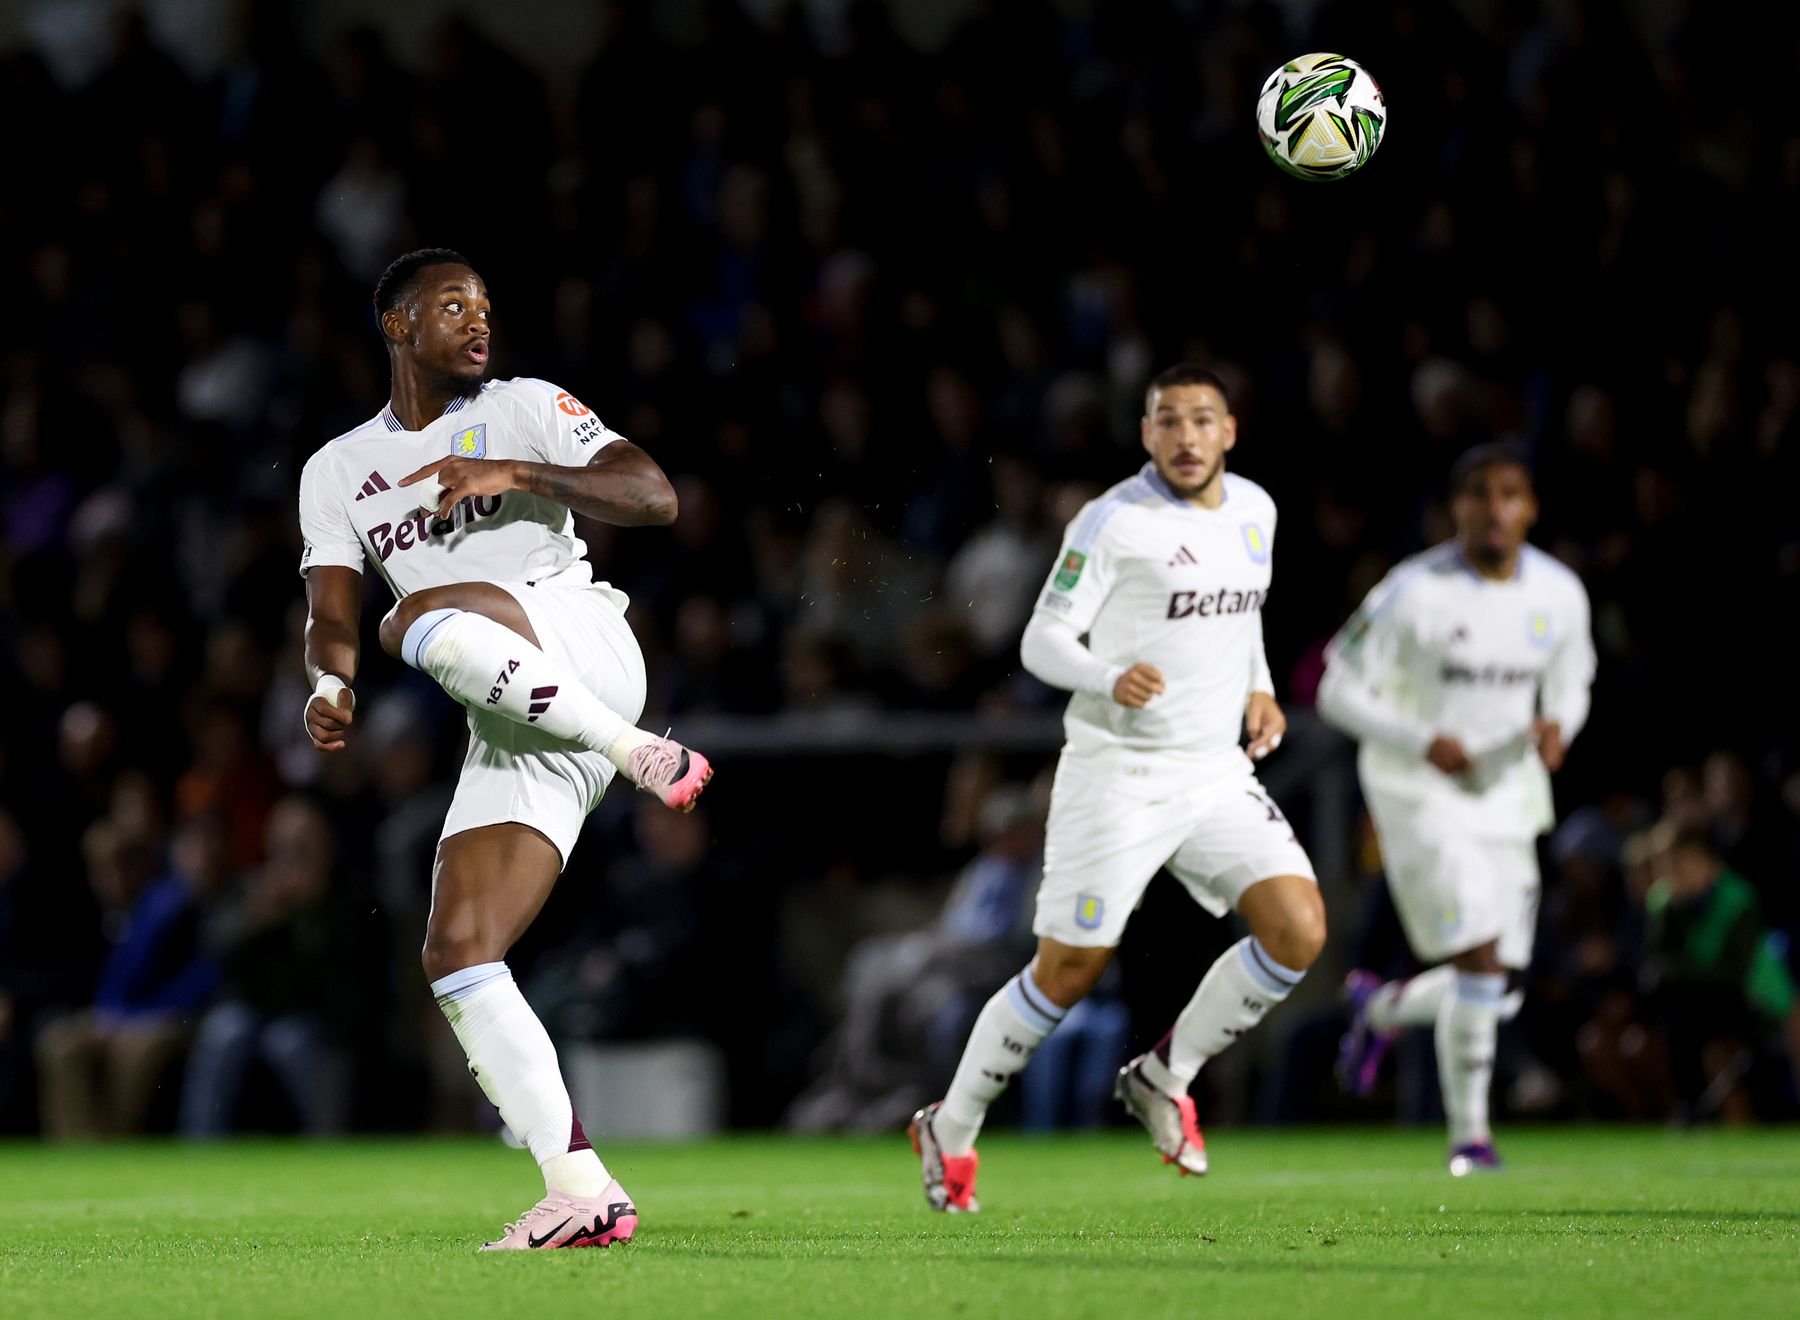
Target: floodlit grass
1342,1223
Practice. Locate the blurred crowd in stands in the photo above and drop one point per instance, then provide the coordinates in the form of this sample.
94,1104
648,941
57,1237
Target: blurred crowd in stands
885,315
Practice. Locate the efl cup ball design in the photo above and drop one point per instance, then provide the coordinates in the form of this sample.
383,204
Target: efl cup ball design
1320,116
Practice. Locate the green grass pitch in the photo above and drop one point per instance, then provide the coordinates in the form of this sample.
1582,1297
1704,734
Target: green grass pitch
1341,1223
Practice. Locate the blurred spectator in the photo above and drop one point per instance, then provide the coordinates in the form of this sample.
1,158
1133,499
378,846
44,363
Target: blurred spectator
909,998
1716,979
273,942
996,573
629,970
1070,1083
98,1069
12,971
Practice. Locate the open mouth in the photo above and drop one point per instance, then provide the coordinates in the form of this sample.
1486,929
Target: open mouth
477,352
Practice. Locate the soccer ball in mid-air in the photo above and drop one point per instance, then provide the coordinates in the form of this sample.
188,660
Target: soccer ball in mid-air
1320,116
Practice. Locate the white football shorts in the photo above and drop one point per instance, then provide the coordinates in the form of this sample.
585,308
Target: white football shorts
1455,890
1105,842
515,773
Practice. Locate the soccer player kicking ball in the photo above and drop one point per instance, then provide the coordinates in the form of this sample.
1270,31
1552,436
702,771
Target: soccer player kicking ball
460,493
1465,674
1166,574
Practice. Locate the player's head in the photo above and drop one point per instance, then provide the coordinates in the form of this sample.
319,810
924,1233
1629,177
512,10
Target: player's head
433,310
1188,428
1682,856
1492,503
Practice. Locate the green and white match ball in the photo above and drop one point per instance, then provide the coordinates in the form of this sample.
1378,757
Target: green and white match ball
1321,116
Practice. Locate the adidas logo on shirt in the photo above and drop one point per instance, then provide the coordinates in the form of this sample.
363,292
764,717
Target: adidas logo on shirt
373,486
1183,556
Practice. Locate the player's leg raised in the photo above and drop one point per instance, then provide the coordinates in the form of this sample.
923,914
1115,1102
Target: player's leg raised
477,641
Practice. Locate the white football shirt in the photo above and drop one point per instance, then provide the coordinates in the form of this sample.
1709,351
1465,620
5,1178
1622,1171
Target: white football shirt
352,507
1154,579
1439,649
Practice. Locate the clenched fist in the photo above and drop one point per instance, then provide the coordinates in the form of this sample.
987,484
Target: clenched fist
327,721
1448,755
1137,685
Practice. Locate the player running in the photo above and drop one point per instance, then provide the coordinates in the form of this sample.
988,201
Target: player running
1465,675
1166,574
460,493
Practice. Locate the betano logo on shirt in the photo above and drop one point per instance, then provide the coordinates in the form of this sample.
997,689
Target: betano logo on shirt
1192,605
421,528
1451,672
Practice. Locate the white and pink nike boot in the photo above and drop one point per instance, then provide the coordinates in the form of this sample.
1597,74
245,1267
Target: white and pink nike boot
570,1221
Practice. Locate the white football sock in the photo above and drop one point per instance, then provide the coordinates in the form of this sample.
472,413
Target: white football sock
510,1054
1011,1026
1467,1025
1234,995
1413,1003
1416,1002
488,666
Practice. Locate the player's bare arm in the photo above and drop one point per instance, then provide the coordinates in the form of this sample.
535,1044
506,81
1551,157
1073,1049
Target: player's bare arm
1552,747
333,606
622,485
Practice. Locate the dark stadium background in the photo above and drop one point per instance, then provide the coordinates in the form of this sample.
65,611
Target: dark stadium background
880,287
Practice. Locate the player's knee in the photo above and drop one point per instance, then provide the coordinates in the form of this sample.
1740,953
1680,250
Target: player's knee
405,613
1295,936
1482,961
450,947
394,625
1067,978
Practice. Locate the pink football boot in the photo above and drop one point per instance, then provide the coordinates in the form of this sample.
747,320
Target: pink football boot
1169,1119
571,1221
949,1179
669,772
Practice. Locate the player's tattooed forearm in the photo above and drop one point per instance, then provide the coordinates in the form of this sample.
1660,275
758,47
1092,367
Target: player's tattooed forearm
608,495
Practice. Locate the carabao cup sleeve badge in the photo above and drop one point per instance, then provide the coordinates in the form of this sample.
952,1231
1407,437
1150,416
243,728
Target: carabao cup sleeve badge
470,443
1070,572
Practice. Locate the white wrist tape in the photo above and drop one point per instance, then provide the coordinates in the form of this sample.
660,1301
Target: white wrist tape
329,687
431,491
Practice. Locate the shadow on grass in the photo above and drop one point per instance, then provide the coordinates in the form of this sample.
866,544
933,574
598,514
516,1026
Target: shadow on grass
1645,1213
1109,1258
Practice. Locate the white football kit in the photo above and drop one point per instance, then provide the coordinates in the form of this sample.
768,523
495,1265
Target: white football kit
352,509
1437,649
1154,579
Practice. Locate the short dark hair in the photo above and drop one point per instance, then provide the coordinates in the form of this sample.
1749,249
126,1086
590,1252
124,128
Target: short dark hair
1185,373
1472,462
1683,834
401,279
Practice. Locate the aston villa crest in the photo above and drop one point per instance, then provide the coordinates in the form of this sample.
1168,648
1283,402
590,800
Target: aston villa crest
471,442
1256,545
